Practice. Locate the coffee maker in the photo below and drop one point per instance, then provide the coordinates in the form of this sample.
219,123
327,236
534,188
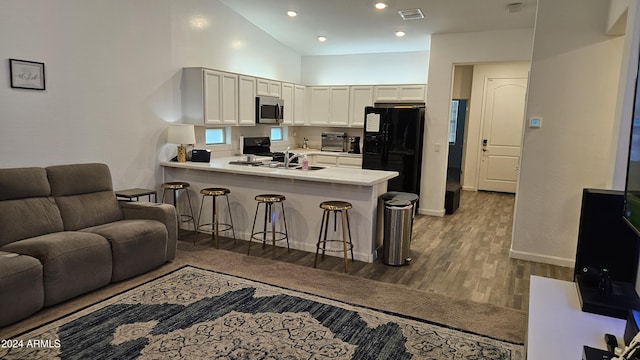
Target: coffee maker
354,145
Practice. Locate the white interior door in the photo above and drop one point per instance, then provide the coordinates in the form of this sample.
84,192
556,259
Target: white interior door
502,133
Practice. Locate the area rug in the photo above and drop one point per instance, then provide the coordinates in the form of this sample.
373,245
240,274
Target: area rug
193,313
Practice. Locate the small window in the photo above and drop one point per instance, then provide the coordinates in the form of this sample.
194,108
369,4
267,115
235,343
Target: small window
276,134
214,136
453,122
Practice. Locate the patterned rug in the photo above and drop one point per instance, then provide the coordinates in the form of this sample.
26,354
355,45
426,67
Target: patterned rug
194,313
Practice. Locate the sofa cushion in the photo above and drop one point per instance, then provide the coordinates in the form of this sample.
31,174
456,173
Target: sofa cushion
21,288
22,183
73,262
82,211
76,179
26,208
84,194
137,246
21,219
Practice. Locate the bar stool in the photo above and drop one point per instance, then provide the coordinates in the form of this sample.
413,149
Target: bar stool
175,186
215,224
269,217
336,207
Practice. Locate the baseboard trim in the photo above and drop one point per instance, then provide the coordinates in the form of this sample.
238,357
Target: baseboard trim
552,260
469,188
431,212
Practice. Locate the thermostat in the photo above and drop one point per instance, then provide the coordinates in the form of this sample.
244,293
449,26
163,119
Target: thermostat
535,122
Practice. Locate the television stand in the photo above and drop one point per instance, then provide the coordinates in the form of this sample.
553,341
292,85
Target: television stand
622,299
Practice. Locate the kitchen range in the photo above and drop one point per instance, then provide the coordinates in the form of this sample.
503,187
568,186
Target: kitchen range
256,147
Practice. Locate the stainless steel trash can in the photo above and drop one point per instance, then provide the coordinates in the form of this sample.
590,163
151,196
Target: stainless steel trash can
397,195
398,214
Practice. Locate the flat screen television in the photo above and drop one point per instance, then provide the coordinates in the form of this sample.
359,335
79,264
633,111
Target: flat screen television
632,187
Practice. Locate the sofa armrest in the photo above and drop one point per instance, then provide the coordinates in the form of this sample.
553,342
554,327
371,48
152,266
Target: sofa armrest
165,213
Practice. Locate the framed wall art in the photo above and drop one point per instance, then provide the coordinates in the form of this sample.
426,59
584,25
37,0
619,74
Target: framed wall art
26,74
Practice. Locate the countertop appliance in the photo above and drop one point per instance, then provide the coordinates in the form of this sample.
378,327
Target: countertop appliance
354,145
392,141
261,146
334,141
269,110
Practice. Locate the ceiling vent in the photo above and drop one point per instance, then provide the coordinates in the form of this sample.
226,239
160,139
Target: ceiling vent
412,14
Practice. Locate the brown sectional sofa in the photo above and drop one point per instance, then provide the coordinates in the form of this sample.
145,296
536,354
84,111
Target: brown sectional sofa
63,233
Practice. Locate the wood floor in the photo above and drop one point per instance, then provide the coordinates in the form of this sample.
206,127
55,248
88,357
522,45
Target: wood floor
464,255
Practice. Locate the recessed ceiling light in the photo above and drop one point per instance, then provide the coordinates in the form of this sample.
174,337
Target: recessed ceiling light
400,33
322,38
381,6
292,13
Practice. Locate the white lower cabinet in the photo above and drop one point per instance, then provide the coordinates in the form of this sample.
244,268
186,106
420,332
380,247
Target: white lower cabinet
349,161
337,160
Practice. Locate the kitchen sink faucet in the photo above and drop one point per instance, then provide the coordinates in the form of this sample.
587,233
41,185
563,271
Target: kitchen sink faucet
288,158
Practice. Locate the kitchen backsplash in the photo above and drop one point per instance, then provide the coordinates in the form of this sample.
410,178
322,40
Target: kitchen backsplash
295,137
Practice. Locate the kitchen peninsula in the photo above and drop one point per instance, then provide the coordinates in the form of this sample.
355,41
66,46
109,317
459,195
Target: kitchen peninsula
304,190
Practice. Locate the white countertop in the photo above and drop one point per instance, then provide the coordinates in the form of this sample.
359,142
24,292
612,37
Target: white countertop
336,175
328,153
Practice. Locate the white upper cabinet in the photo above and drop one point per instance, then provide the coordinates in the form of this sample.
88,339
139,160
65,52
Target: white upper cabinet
246,100
299,101
289,103
329,105
319,105
339,106
294,100
229,99
212,98
400,93
209,97
266,87
360,97
218,98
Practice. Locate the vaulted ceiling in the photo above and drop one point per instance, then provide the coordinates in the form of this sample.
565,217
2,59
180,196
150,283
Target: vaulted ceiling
356,26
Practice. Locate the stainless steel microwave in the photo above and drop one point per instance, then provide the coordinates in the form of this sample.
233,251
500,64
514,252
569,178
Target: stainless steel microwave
269,110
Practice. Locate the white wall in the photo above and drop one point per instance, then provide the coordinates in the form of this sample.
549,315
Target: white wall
573,86
446,51
366,69
113,77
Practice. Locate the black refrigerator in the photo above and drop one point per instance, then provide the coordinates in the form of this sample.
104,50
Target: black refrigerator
393,141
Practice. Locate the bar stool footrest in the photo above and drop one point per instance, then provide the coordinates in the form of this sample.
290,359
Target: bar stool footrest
282,236
349,245
209,228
